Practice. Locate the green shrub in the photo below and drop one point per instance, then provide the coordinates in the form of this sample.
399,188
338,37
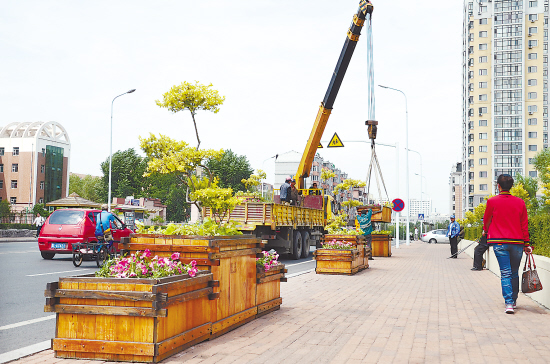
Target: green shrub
17,226
539,232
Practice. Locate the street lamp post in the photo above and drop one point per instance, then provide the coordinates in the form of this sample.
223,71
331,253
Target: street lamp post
111,148
407,158
275,156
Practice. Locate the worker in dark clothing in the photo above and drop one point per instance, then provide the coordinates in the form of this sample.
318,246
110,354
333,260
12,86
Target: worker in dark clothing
285,191
294,193
314,189
480,249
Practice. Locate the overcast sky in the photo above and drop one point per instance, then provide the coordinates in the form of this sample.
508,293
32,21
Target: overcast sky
65,61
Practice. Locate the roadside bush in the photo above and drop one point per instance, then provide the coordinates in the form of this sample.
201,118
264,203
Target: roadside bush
539,232
473,233
17,226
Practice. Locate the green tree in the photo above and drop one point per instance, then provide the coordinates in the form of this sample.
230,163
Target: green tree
39,209
5,210
171,191
127,175
231,169
192,97
89,187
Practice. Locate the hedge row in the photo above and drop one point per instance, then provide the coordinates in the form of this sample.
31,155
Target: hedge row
17,226
539,232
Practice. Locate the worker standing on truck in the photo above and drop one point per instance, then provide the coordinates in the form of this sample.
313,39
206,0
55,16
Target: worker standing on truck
294,193
364,219
314,190
284,191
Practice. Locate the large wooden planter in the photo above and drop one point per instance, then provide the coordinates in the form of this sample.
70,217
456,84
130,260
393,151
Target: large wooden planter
268,289
335,261
231,260
359,242
381,245
139,320
382,216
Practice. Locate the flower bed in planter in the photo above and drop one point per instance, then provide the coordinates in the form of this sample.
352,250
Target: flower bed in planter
122,319
269,275
359,242
337,257
231,260
381,245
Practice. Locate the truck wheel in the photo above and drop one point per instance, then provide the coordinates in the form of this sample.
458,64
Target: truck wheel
305,244
47,255
297,246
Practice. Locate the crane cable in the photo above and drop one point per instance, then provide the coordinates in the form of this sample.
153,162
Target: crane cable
372,114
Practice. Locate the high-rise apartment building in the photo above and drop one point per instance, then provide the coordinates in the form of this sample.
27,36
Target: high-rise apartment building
505,88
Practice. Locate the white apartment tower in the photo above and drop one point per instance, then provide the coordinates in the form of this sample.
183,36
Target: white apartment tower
505,88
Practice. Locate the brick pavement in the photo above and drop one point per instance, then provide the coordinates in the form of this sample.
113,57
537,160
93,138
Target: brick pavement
415,307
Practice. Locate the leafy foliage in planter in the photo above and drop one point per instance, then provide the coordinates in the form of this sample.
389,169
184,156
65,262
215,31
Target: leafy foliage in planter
207,228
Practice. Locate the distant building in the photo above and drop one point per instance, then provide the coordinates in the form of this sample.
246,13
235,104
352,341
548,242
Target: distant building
34,163
456,191
420,207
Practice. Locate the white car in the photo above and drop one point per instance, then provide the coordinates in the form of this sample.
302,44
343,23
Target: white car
435,236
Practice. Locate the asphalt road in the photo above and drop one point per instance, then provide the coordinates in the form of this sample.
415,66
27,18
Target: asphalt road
24,278
23,321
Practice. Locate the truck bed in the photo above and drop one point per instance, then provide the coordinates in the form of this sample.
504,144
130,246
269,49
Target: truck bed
251,214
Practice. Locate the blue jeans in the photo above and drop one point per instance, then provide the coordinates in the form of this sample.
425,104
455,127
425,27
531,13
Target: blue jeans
509,260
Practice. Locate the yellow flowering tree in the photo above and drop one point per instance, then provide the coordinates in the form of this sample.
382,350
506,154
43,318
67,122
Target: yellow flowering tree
168,156
192,97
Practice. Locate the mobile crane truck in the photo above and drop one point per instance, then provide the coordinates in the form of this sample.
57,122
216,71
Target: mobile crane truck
293,229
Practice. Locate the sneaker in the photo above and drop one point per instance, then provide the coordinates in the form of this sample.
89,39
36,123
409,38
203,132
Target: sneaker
514,306
509,309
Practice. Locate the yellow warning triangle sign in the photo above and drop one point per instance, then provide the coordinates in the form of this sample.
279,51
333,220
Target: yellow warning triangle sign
320,146
335,142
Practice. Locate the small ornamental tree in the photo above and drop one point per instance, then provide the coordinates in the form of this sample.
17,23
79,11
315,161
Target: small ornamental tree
327,174
166,156
347,185
192,97
254,180
220,200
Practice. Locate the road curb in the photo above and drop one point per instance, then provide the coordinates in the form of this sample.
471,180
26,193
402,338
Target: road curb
26,351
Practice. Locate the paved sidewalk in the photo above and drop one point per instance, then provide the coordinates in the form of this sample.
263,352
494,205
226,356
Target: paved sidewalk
415,307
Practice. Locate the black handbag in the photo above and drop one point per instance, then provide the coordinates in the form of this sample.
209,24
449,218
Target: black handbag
530,281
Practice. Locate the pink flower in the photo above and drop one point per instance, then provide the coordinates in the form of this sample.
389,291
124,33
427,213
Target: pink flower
146,254
191,272
175,256
193,263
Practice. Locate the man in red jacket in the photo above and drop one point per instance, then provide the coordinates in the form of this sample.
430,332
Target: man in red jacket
505,224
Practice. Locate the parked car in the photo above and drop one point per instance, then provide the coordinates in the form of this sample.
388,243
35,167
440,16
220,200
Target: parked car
435,236
65,227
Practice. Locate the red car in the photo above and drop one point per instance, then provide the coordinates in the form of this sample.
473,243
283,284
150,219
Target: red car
65,227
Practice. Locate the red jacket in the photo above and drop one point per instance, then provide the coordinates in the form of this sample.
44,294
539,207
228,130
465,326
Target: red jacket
505,220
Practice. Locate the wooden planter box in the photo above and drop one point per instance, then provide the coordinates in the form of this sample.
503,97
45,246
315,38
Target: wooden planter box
383,216
381,245
138,320
359,242
231,260
268,289
335,261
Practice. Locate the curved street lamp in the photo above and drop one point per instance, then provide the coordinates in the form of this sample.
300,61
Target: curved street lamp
111,148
